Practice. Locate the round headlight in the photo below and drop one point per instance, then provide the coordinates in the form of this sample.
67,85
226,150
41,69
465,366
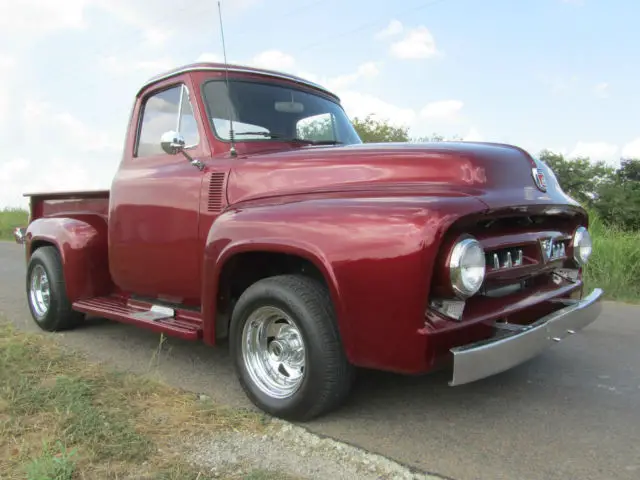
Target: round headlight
467,267
582,246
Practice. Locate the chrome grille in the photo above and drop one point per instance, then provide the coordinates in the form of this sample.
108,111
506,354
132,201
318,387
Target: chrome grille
504,258
552,248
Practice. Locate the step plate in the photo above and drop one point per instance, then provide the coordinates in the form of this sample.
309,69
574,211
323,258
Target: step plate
151,316
158,319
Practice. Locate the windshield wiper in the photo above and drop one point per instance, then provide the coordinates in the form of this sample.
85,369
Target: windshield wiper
294,139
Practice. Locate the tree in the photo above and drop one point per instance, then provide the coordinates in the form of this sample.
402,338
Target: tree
629,170
619,200
377,131
613,193
580,178
436,137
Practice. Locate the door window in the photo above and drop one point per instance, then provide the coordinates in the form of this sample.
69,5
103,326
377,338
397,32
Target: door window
164,111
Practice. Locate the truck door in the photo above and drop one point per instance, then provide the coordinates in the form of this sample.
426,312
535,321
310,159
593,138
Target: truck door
155,198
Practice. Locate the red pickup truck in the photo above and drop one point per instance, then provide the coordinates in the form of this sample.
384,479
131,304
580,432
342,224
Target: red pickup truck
246,209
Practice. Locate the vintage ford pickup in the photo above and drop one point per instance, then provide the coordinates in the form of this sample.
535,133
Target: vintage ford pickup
246,209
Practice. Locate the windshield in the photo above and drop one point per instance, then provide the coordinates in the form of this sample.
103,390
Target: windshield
262,111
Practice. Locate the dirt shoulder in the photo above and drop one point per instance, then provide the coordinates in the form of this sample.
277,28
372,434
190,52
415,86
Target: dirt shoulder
64,417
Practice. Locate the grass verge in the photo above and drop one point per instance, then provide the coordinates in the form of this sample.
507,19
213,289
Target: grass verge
10,218
63,418
615,262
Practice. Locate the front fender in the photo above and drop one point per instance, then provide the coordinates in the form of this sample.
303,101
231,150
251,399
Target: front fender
376,255
82,244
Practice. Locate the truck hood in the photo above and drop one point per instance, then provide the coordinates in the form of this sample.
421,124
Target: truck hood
498,175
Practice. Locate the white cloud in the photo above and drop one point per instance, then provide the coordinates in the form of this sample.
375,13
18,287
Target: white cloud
77,156
559,83
366,70
273,60
596,151
473,135
120,66
632,149
156,37
445,110
564,151
10,168
209,57
601,90
418,43
11,173
7,64
359,104
312,77
38,17
18,176
394,28
43,123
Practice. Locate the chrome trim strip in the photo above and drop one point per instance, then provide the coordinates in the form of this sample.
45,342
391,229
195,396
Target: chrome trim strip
180,108
489,357
235,69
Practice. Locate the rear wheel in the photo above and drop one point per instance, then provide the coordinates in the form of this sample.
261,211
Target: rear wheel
286,348
46,292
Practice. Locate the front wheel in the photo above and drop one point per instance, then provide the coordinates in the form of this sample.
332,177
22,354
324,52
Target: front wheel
286,348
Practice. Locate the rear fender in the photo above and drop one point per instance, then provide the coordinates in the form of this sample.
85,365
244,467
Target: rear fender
82,244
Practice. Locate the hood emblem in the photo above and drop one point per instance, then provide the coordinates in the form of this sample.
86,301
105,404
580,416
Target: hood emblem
540,179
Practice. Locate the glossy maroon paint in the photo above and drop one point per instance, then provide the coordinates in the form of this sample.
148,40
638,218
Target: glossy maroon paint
75,222
376,220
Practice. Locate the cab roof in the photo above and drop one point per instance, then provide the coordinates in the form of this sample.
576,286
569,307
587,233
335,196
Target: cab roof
221,67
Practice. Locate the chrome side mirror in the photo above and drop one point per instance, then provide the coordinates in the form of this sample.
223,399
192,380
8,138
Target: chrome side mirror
172,142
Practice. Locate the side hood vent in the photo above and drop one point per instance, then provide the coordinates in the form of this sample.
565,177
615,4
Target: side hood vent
216,191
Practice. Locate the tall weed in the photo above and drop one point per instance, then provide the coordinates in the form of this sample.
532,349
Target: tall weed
615,262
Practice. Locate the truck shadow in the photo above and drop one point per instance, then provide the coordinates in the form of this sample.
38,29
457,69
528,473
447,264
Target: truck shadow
203,369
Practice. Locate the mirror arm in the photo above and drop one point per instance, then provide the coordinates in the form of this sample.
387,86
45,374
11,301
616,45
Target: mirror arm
194,161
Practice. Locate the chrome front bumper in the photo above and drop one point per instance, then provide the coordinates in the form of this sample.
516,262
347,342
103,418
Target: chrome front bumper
489,357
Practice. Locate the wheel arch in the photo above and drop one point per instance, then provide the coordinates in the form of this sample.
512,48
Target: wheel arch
267,257
82,246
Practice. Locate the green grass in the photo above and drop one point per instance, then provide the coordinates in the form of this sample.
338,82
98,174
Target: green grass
10,218
615,262
63,418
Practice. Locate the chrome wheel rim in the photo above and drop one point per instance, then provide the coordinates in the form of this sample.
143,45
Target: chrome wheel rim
273,352
39,291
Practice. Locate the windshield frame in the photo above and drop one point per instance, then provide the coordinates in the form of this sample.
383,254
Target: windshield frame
272,83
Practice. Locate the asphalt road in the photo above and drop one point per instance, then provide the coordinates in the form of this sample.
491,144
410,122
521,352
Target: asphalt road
572,413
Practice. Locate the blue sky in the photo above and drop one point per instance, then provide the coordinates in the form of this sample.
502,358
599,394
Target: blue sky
558,74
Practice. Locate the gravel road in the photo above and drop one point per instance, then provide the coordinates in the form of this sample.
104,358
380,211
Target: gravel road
573,412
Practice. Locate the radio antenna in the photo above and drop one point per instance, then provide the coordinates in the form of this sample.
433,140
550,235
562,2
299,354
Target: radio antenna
232,151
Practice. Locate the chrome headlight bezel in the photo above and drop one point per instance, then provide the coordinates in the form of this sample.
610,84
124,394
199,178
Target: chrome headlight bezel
582,245
466,253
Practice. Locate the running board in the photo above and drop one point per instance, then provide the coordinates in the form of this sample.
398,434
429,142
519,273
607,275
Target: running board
181,324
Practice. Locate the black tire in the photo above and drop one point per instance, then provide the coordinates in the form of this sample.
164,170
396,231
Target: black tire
328,375
59,315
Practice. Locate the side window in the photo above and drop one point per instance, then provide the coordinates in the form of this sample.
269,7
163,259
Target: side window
316,127
166,110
